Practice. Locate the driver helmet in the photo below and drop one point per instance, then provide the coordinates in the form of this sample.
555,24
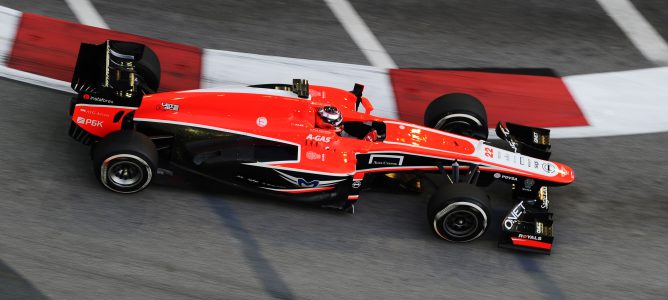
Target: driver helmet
329,117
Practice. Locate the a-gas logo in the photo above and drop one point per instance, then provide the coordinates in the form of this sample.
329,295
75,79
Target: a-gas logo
319,138
91,122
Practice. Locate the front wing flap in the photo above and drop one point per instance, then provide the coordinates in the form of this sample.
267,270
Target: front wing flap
528,227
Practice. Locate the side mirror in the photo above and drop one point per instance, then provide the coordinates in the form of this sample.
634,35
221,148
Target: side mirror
357,91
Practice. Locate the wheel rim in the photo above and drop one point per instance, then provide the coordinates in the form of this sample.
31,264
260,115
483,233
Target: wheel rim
462,124
125,173
460,223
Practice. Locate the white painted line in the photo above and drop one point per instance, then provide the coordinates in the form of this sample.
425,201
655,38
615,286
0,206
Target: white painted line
226,67
35,79
637,29
9,22
361,34
86,13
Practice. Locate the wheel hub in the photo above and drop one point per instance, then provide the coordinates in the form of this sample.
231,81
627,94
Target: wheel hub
125,173
460,223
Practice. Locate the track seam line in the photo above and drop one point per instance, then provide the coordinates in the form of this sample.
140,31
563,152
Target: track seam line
639,31
86,13
361,34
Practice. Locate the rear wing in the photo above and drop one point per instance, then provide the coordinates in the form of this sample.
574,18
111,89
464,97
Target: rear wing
116,70
110,80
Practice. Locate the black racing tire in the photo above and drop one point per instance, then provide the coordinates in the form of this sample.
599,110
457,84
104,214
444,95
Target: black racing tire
125,161
458,113
459,212
148,69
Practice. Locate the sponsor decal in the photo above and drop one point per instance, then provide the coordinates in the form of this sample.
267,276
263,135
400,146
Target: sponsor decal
535,137
386,160
545,204
528,184
101,100
549,168
94,113
542,195
530,237
507,177
514,215
519,161
313,155
319,138
357,184
301,182
320,130
91,122
257,182
168,106
261,121
504,176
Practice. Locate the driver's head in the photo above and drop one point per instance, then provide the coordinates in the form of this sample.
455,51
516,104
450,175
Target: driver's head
329,117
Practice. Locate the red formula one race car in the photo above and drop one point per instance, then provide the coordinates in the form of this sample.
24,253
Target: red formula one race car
307,143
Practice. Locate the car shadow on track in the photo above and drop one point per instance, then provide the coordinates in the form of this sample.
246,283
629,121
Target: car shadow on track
380,213
263,224
272,282
15,286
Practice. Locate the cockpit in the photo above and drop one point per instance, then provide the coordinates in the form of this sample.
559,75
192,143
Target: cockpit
369,131
330,117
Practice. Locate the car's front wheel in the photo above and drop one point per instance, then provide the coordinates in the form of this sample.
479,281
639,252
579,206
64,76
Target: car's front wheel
125,161
459,212
458,113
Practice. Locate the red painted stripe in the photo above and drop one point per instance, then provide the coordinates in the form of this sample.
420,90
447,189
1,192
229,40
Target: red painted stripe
531,243
49,47
541,101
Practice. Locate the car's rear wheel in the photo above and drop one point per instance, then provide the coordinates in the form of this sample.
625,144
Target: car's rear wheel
459,212
458,113
125,161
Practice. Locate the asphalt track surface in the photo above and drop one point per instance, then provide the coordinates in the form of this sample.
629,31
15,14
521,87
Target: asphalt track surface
62,236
